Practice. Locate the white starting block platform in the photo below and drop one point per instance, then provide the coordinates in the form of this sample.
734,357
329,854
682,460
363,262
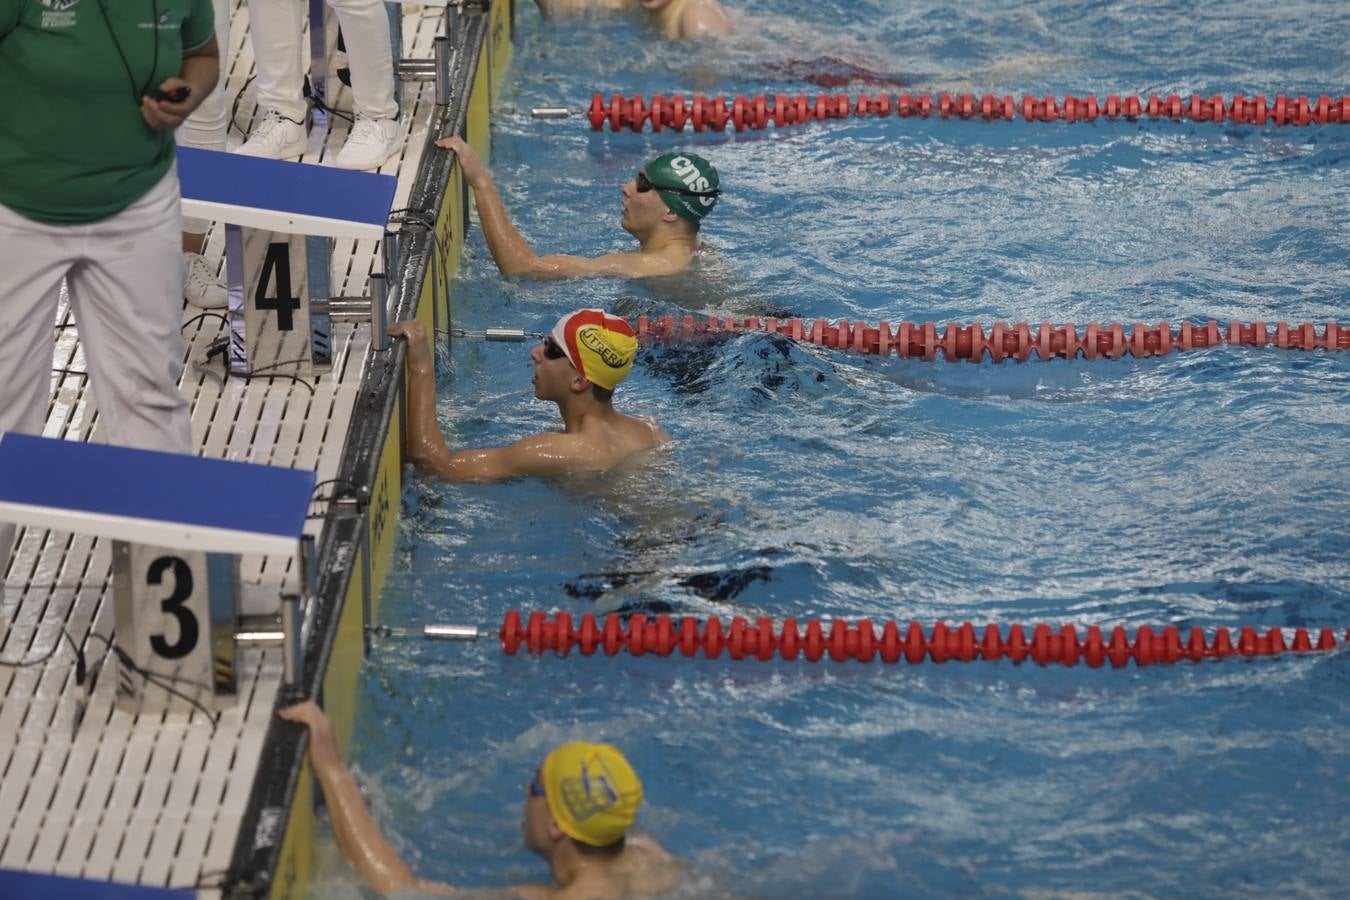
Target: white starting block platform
280,219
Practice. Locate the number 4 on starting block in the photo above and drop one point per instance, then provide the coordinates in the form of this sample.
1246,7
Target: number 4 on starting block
279,218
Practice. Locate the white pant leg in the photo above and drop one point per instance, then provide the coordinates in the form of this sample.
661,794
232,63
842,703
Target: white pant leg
370,55
206,128
33,258
274,27
127,294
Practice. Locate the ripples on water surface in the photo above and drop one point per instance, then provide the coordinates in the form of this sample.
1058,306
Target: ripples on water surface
1208,488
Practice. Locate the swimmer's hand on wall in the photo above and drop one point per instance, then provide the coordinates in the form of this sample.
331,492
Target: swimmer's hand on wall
475,173
323,750
420,358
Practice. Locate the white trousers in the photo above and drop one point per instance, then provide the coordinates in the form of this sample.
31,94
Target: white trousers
275,28
206,128
125,277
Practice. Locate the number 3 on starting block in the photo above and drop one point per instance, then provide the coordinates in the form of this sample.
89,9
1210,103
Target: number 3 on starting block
175,621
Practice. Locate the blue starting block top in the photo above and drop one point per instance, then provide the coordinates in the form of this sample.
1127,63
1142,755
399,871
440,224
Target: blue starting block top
291,197
143,496
32,884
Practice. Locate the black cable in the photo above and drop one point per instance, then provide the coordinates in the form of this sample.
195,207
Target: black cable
234,110
348,489
23,664
158,679
197,318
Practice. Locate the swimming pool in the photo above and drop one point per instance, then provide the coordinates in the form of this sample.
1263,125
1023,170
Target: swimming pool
1206,488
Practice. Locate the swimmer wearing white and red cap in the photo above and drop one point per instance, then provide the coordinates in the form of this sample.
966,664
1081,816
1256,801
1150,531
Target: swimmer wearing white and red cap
577,366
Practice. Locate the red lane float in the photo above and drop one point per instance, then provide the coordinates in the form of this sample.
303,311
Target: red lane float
863,641
753,113
972,342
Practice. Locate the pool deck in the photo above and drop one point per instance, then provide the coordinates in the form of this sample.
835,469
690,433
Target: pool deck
169,800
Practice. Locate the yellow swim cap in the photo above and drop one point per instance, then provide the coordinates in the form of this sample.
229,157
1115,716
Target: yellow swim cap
592,791
600,346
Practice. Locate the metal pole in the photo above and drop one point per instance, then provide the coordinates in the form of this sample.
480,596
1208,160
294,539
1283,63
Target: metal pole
441,46
292,649
379,313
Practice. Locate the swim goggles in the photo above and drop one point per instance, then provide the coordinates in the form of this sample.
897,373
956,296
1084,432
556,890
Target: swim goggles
645,184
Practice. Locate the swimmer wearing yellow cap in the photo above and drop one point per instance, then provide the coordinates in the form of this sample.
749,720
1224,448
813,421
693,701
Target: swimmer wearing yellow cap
579,809
674,18
577,366
667,231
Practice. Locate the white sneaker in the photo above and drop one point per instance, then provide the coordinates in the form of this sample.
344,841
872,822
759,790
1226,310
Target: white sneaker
371,142
276,137
201,287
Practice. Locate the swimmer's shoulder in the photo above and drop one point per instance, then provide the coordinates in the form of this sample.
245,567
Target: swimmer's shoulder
656,435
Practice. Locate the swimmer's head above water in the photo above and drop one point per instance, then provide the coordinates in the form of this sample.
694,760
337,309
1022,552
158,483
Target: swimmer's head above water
687,183
668,198
590,792
599,346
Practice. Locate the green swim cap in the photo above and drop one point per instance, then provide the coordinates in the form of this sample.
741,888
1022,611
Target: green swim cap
687,183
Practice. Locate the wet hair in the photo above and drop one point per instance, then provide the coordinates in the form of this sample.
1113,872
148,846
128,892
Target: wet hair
604,395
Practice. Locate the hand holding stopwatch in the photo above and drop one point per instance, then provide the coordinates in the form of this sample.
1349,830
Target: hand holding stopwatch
174,95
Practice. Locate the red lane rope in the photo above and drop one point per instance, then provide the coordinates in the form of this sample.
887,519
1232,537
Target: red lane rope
841,640
972,342
744,113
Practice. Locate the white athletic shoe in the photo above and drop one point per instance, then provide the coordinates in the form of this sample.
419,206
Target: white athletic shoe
202,288
371,142
276,137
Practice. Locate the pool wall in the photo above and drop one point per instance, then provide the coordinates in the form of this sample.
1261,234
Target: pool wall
273,853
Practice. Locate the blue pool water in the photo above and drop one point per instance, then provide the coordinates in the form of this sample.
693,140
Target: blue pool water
1208,488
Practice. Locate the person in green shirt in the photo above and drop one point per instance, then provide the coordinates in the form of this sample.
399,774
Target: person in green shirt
90,94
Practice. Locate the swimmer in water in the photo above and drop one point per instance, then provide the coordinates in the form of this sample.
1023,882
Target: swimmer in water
676,19
663,207
577,366
579,811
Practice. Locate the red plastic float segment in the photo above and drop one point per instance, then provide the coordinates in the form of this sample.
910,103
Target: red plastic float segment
969,342
741,639
756,113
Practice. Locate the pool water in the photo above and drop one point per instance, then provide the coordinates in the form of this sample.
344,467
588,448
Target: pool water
1208,488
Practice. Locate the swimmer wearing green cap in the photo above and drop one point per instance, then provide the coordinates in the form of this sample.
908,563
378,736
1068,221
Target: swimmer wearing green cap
663,206
674,18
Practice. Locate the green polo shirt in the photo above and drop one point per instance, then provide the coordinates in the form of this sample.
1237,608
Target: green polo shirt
73,145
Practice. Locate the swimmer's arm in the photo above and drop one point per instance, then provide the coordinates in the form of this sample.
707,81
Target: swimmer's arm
514,255
357,835
540,454
619,265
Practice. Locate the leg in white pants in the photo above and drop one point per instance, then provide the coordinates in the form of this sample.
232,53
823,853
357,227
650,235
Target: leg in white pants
370,55
275,26
206,128
125,276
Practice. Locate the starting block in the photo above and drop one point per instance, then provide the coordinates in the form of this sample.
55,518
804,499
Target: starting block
179,524
279,217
